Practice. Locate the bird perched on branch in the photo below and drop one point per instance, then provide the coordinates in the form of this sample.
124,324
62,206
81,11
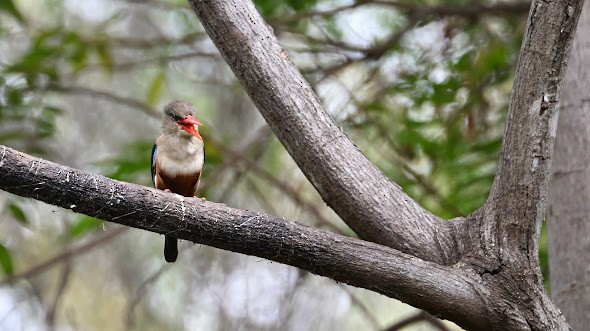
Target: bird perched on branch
177,158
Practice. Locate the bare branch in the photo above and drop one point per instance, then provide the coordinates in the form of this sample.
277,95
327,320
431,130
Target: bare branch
469,11
63,283
418,317
374,207
445,291
164,59
68,254
189,38
140,293
130,102
281,185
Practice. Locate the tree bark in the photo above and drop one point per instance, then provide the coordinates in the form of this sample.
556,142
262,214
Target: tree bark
500,240
373,206
442,290
508,225
568,218
481,272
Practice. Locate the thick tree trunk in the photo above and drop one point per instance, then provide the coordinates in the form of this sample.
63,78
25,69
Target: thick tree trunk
568,218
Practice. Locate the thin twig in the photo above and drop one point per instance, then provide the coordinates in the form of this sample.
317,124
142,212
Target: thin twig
166,59
134,103
64,278
69,253
140,293
289,191
421,316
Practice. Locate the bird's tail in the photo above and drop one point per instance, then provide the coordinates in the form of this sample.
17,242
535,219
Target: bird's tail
170,249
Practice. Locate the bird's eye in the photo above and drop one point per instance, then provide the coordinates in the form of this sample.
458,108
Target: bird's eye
176,117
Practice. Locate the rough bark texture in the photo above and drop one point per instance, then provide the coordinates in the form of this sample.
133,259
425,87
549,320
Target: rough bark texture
442,290
374,207
481,272
508,225
500,241
568,218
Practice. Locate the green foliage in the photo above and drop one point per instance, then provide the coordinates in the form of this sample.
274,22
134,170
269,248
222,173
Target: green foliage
544,256
273,8
8,7
156,87
104,55
214,156
132,165
83,226
6,260
18,214
56,53
23,117
447,134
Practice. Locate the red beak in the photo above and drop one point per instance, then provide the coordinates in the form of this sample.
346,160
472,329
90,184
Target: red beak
190,124
189,120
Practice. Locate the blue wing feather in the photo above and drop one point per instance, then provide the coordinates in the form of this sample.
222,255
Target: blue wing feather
153,163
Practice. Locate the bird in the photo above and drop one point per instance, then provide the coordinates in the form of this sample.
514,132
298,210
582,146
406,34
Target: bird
177,159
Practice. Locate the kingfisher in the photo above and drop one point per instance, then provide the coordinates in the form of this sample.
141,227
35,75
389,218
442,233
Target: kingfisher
177,158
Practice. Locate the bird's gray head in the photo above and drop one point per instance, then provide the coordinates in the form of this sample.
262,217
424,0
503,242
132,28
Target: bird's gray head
179,117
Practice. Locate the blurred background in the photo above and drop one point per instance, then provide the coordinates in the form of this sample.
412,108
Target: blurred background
421,86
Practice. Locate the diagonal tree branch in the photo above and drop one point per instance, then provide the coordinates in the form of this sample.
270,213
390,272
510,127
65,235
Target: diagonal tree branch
374,207
511,218
445,291
533,113
505,231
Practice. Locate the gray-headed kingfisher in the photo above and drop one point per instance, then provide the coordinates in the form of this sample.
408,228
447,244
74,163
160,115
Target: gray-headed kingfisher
177,158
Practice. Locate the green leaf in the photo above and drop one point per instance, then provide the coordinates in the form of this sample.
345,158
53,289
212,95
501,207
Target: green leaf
79,58
18,214
14,97
104,57
267,7
84,225
301,4
9,7
133,165
277,7
6,260
155,88
544,255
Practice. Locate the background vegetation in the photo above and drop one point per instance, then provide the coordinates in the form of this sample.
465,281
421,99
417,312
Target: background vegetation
421,87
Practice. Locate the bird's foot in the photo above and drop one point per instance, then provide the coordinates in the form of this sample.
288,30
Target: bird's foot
167,190
202,199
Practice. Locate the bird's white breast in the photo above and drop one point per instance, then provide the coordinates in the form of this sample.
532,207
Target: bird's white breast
180,156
